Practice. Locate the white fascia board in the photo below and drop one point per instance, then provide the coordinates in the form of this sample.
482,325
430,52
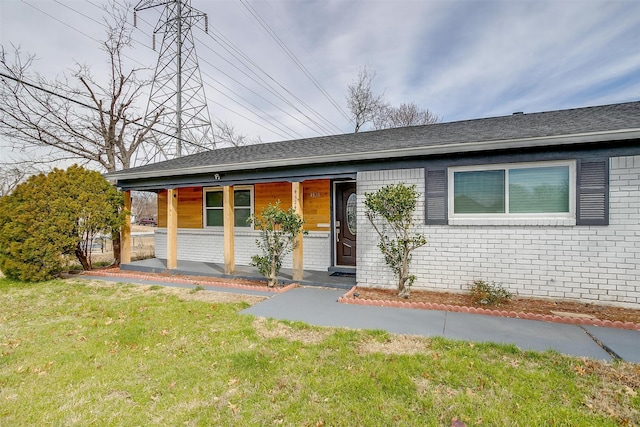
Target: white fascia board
459,147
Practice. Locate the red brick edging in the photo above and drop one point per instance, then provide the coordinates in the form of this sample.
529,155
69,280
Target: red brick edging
348,298
229,284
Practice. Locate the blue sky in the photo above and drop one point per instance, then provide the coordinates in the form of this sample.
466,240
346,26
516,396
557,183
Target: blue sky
460,59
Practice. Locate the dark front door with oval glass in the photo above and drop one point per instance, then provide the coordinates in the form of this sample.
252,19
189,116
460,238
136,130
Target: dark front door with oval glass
346,223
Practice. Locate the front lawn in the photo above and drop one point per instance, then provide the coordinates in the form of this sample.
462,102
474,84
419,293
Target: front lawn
91,353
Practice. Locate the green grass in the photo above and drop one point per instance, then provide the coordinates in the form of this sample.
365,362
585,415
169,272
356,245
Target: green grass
80,353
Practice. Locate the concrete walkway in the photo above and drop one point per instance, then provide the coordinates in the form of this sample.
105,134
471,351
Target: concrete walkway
319,306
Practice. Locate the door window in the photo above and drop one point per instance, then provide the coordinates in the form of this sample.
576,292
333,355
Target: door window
352,214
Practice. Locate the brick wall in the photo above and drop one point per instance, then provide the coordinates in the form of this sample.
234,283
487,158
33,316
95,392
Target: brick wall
585,263
203,245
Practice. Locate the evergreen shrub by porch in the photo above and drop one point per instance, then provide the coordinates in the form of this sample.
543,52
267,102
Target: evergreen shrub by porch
391,211
51,217
279,229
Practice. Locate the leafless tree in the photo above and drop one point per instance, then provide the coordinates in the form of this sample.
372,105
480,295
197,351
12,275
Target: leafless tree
86,121
362,103
404,115
367,107
225,134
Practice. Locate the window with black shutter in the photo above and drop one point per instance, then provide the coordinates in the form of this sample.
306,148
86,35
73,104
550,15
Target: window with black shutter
593,193
436,196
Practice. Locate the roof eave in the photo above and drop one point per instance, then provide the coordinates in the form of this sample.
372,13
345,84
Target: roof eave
461,147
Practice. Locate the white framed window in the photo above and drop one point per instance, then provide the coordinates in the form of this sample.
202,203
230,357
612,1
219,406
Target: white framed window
544,190
213,206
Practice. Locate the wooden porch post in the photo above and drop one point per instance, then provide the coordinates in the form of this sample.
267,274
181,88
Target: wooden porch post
229,223
296,203
172,229
125,232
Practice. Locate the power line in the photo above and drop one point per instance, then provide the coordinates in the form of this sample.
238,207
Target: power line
75,101
171,55
241,57
273,92
268,86
291,133
60,21
261,21
212,87
50,92
79,13
264,84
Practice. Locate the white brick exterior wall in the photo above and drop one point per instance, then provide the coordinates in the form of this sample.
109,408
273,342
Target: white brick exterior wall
203,245
585,263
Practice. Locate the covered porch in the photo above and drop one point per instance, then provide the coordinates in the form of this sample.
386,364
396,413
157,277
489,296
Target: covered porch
205,224
193,268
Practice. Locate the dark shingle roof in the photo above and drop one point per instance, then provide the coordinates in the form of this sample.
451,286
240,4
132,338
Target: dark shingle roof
578,121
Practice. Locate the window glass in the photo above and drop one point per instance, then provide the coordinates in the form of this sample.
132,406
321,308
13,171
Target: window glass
242,198
241,216
539,190
214,218
214,212
352,214
214,199
513,190
479,192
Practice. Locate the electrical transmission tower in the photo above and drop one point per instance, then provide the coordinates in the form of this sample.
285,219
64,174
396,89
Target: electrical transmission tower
177,95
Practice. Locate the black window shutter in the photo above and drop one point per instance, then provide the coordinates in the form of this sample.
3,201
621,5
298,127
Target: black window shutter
436,196
592,204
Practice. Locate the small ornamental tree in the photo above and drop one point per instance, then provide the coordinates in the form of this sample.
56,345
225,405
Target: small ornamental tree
51,217
390,210
279,229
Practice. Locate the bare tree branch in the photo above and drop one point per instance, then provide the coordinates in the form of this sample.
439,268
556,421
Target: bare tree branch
144,204
402,116
362,103
366,107
12,176
87,122
226,134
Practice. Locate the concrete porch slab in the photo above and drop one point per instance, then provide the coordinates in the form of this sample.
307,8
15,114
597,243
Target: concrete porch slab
192,268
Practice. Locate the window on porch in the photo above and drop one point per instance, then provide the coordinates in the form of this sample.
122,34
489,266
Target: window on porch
213,206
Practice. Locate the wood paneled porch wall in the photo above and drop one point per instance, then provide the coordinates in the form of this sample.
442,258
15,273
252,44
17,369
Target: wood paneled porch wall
316,203
183,208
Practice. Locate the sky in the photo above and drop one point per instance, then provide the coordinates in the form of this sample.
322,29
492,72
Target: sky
459,59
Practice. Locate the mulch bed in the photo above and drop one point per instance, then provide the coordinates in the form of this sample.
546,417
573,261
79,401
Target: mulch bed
525,308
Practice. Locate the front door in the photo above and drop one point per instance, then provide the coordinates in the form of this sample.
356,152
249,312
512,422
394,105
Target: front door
345,225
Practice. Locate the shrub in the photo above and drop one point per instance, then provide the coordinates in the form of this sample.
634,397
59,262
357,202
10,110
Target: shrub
279,229
51,217
390,211
485,293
